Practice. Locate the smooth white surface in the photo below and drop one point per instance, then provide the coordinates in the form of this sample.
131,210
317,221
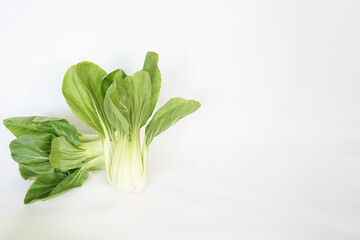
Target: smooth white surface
274,152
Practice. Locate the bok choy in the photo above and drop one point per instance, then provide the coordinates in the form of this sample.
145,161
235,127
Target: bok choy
116,106
43,144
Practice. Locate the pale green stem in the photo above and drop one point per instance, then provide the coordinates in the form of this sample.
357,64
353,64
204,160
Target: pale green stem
97,163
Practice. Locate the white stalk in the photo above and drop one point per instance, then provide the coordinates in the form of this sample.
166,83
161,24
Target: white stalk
124,163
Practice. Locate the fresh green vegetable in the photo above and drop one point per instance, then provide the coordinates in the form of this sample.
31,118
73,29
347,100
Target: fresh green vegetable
117,106
50,150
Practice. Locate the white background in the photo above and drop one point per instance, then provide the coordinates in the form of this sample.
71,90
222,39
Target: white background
273,153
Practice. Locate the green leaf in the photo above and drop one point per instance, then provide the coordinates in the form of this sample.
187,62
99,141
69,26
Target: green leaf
32,152
82,91
150,66
74,180
20,125
116,107
168,115
26,173
109,79
66,156
43,186
52,185
26,125
127,102
138,94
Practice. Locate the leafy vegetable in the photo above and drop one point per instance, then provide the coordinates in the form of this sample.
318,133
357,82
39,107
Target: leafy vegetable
119,115
116,106
39,150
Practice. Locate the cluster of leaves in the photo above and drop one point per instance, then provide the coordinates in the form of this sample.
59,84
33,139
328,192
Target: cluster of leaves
116,106
37,148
